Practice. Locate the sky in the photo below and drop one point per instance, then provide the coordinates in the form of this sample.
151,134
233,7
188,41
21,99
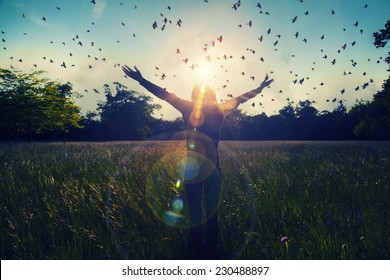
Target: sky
315,50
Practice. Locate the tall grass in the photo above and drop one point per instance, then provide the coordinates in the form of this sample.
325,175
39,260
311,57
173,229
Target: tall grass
280,200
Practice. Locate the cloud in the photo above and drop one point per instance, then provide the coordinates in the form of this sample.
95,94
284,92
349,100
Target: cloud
98,9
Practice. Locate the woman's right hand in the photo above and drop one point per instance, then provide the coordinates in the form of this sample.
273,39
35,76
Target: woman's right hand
266,82
134,74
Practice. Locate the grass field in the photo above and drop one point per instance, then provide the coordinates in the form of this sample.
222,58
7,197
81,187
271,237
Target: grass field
280,200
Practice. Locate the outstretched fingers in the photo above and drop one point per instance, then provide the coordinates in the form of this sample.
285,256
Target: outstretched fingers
270,81
134,74
127,69
267,81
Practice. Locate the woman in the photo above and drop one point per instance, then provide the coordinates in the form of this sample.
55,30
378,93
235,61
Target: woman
203,118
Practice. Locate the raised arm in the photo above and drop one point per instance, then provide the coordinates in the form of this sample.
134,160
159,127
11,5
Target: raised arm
235,102
152,88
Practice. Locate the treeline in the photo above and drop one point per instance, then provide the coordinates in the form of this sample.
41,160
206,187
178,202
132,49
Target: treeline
364,121
33,108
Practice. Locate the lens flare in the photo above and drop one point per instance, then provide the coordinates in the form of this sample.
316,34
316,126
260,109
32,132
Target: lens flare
178,183
168,180
178,205
173,219
188,168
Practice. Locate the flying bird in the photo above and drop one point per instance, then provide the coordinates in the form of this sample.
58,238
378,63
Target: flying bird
294,19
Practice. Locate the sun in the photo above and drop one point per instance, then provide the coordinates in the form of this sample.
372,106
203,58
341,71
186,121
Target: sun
205,71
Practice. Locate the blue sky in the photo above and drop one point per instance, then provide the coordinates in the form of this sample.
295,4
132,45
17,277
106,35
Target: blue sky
121,32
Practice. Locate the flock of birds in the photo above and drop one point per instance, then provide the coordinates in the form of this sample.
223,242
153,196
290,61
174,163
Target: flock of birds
250,53
296,79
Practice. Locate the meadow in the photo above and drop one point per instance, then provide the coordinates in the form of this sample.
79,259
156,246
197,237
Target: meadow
280,200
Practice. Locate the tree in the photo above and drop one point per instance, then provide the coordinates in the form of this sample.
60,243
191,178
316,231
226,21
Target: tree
126,114
383,36
30,105
381,39
341,125
232,128
165,130
289,117
375,116
306,121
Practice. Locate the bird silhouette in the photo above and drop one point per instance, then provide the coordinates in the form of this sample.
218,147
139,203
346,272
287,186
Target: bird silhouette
294,19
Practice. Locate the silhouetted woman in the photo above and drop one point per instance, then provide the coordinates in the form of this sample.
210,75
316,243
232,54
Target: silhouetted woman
203,118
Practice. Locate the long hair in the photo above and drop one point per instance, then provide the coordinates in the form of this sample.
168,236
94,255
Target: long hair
204,94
